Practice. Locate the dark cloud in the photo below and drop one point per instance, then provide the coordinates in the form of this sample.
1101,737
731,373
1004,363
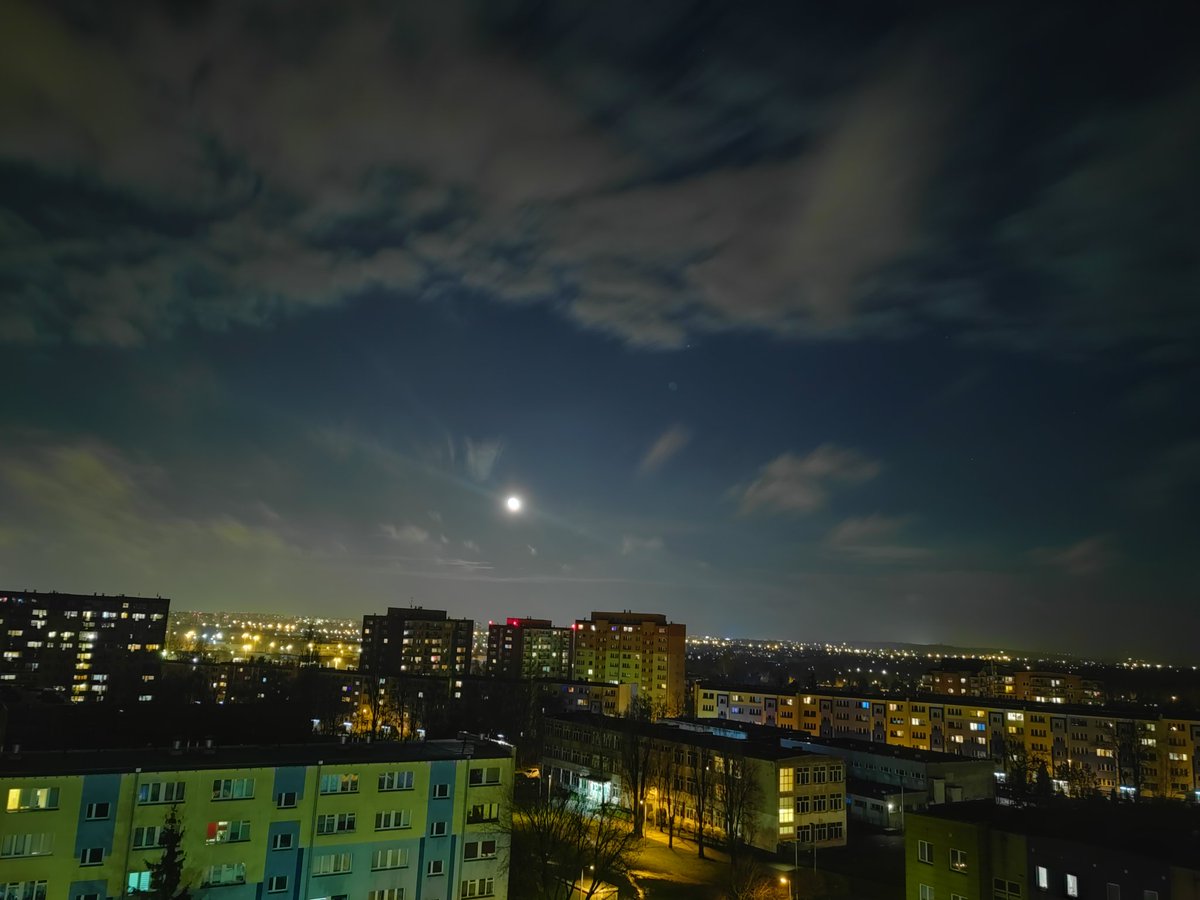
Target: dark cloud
698,173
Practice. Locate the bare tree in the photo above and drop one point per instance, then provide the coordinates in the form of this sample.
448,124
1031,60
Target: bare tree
703,780
568,841
636,761
738,798
668,781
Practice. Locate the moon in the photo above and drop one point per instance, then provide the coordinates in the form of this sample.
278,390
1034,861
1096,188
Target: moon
513,504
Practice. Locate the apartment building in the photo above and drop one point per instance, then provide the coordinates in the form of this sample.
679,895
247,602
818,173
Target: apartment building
1056,687
529,648
1097,852
1149,752
793,796
86,647
379,821
634,648
415,641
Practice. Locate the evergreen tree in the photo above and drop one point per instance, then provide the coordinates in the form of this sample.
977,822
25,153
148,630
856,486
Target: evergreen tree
166,874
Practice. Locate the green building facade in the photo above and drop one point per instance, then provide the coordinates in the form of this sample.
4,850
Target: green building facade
381,821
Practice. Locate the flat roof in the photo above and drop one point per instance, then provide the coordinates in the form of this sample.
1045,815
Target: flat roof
861,788
330,753
1110,710
684,734
879,748
1166,831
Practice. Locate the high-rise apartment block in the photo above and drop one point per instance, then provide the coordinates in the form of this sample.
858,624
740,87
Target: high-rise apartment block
377,821
638,648
416,641
88,647
529,648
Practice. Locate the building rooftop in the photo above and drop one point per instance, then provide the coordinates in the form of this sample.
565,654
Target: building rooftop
1110,710
873,789
879,748
1166,831
333,753
685,732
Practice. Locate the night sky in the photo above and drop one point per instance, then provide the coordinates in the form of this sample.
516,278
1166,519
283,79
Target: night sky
811,321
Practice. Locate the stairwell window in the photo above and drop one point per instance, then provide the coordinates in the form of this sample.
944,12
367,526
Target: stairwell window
339,784
233,789
396,781
483,812
336,823
486,775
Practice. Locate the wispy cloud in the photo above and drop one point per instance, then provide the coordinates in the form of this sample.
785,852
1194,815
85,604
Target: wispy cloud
407,534
632,545
872,539
482,457
802,484
1090,556
666,446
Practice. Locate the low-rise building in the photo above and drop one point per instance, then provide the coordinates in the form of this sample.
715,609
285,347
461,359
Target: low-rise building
903,779
380,821
1064,850
776,795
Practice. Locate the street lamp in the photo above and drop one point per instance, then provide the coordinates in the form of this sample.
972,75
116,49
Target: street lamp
582,892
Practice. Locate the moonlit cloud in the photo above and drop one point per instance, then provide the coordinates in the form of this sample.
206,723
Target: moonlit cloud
666,446
632,545
482,456
802,484
407,534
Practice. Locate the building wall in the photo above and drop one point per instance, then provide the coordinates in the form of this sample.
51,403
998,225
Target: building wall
268,817
1152,752
1094,871
928,842
416,641
585,757
87,647
529,648
639,648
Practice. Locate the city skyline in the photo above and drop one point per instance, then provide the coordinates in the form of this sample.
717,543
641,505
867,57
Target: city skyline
810,326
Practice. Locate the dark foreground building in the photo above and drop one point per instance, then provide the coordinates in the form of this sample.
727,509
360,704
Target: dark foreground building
85,647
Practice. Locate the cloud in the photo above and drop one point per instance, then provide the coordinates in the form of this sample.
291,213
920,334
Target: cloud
668,444
870,539
532,550
119,520
636,546
465,565
826,186
481,457
801,484
1090,556
1168,475
407,534
471,545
